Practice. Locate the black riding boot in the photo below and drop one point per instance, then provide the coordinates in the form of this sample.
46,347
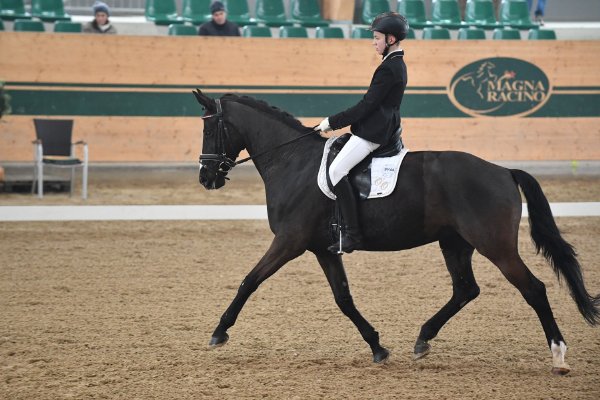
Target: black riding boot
346,199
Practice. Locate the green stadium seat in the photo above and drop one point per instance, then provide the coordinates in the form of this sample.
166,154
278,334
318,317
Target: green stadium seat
67,27
293,32
411,34
515,13
446,13
196,11
480,13
471,34
359,32
27,25
1,25
541,34
414,11
256,31
506,34
307,13
331,32
436,33
372,8
49,10
13,9
271,13
162,12
238,12
182,30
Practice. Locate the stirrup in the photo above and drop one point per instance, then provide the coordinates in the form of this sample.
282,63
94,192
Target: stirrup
340,247
336,248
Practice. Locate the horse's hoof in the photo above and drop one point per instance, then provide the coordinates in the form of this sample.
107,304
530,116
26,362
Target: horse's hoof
422,348
218,341
381,356
560,371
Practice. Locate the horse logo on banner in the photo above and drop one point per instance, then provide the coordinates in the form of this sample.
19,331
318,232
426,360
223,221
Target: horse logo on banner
499,87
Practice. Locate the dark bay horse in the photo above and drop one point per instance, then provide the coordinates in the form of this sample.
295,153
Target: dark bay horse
454,198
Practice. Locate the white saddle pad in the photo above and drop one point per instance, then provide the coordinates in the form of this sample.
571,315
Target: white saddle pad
384,173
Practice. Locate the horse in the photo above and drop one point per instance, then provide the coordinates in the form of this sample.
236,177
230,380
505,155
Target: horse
454,198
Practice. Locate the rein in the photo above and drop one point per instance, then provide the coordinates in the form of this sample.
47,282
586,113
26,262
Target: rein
222,132
312,131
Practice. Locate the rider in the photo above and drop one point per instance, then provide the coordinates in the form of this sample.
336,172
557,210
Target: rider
373,121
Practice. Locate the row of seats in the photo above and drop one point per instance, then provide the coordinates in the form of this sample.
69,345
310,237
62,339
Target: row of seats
268,12
24,25
434,33
46,10
164,12
445,13
31,25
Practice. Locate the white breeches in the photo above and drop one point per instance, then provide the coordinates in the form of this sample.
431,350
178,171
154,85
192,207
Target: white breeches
351,154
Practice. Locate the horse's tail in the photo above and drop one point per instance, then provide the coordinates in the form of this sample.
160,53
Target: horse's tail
559,253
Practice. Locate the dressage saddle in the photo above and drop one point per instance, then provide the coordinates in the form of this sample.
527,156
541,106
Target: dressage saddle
360,175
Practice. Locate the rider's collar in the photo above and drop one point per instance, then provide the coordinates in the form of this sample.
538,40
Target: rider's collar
395,51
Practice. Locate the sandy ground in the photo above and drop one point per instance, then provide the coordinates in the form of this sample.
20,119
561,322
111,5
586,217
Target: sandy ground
124,310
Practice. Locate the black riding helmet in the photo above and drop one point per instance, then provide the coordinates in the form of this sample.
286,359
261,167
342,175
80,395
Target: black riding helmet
390,23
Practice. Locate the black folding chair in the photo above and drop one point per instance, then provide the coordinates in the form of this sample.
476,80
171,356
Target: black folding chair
53,148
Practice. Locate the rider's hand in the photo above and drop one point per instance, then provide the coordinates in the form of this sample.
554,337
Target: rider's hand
324,126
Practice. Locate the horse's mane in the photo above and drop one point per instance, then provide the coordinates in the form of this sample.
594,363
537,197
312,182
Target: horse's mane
280,115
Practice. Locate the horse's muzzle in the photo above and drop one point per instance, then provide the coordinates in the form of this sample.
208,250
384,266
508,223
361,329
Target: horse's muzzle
211,180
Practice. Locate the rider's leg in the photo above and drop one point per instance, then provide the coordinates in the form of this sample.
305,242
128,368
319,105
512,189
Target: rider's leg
351,154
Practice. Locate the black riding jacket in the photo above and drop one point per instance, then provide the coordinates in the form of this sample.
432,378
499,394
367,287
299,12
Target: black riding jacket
377,116
210,28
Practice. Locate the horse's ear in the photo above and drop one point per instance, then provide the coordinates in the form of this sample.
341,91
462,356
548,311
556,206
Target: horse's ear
204,100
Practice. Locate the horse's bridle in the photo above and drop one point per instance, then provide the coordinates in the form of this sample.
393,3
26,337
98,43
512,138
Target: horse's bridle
226,164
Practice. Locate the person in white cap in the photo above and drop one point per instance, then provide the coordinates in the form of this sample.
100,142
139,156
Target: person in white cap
100,24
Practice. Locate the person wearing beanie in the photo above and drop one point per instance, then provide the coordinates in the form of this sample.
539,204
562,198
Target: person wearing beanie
218,25
100,24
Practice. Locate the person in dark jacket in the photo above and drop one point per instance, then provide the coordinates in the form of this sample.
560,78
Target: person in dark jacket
218,25
373,121
100,24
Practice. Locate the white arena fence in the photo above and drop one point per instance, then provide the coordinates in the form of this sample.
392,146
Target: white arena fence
206,212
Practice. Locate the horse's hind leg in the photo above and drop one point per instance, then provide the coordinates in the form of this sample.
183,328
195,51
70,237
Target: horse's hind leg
457,254
336,276
534,292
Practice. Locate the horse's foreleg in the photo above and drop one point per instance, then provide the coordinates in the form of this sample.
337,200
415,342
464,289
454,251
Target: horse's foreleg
280,252
457,254
336,276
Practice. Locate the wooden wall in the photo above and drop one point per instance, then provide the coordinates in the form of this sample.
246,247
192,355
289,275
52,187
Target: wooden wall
85,63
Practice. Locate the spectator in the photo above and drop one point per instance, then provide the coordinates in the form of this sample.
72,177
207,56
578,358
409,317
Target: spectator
100,24
218,25
539,10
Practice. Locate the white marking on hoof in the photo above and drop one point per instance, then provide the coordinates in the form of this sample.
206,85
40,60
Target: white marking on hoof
559,366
